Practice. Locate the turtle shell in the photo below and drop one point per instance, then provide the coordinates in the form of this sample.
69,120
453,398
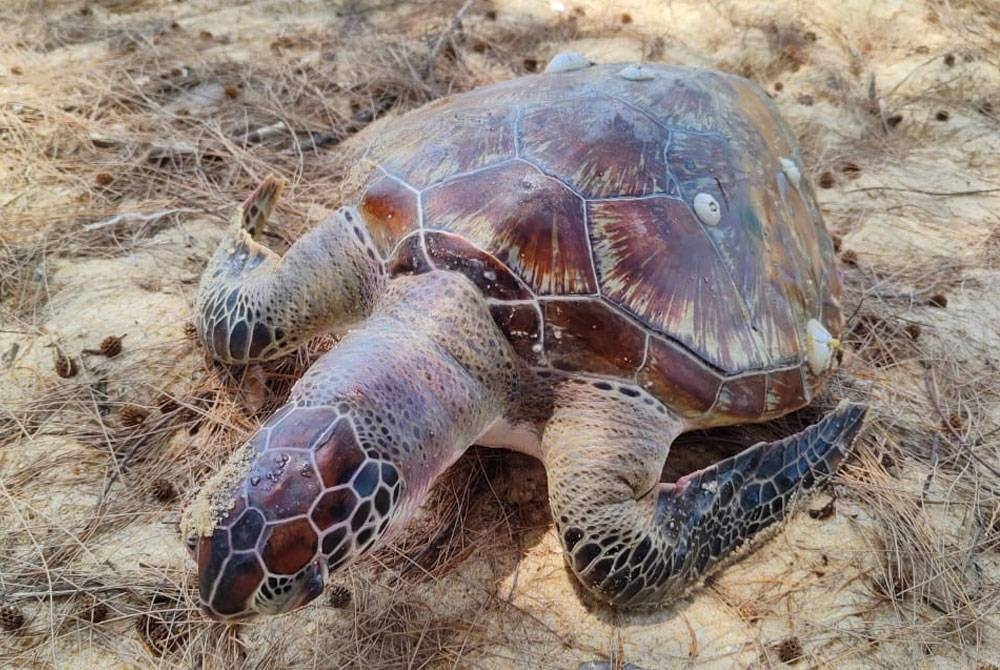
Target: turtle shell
656,229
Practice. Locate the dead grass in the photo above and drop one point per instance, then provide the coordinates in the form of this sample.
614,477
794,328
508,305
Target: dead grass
149,120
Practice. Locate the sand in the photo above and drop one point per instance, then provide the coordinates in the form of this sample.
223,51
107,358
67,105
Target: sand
144,106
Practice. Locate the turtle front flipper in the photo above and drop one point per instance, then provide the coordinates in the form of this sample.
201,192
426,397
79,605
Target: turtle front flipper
634,544
255,305
257,208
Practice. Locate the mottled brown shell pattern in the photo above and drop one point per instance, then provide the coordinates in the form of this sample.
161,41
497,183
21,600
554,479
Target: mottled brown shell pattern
571,200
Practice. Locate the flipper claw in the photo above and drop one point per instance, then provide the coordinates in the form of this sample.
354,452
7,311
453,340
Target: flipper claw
257,208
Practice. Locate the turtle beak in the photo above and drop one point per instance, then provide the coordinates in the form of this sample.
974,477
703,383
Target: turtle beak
242,617
305,588
247,596
312,584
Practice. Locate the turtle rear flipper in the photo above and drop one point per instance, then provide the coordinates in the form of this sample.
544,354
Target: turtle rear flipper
633,543
255,305
721,508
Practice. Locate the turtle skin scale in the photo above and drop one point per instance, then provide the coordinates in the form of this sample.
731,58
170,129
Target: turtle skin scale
569,200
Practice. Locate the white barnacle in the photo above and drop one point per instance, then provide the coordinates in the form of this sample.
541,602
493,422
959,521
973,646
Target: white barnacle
636,72
708,210
820,347
791,170
567,61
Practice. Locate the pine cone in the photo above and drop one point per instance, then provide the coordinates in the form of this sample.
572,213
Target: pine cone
340,596
790,650
65,366
167,403
132,415
92,609
11,618
111,346
163,490
748,612
160,637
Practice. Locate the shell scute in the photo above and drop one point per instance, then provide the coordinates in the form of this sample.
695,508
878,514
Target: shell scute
684,98
678,378
653,259
742,397
536,89
452,252
522,325
701,163
786,390
409,257
527,220
799,225
390,211
588,336
430,145
599,146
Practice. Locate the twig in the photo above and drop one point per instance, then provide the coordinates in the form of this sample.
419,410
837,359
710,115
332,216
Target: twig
358,123
264,133
456,22
875,105
935,459
434,545
908,189
154,150
134,217
67,589
931,385
385,102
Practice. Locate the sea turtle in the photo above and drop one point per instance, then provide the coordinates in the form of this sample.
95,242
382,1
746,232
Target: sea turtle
579,265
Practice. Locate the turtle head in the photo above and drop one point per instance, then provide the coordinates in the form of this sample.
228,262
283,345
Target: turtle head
301,499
